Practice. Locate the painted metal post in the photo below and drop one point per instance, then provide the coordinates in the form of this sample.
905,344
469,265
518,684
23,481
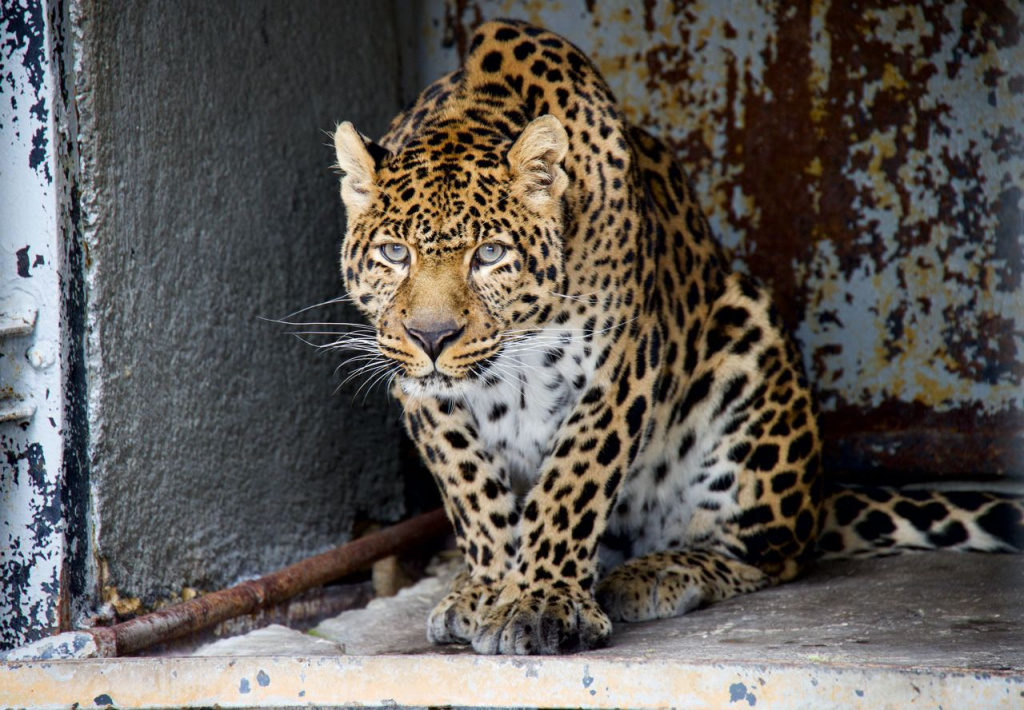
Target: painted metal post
32,529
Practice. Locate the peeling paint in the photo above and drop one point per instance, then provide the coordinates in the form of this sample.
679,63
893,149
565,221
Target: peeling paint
78,576
23,77
866,160
31,521
432,680
738,693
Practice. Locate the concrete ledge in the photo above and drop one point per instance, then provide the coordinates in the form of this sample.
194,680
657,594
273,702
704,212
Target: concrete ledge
462,680
925,630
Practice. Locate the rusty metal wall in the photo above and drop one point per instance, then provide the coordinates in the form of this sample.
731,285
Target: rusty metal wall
863,158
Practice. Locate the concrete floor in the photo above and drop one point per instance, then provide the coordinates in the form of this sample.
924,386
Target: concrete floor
920,611
928,630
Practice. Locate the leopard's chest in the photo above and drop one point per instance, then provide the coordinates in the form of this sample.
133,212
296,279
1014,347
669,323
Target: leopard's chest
528,393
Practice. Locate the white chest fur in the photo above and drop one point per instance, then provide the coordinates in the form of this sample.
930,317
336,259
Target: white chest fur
529,391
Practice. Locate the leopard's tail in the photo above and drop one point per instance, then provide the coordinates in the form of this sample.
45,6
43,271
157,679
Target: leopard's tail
866,521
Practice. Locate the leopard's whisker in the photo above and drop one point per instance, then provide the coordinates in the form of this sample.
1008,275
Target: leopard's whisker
367,369
353,327
340,333
370,346
499,372
340,299
370,371
590,298
376,380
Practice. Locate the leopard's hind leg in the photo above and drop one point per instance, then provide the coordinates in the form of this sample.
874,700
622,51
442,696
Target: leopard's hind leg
735,503
663,584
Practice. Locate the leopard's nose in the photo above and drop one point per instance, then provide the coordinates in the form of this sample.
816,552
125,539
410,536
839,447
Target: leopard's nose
434,337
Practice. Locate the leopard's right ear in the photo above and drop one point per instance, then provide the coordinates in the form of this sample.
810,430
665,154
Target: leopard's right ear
358,158
535,162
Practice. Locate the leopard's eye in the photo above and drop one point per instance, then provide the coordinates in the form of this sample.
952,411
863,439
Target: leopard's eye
490,253
395,252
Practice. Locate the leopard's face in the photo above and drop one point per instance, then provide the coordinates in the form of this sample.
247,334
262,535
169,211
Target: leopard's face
449,254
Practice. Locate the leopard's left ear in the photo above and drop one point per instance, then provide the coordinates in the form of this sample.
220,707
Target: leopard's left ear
358,158
535,161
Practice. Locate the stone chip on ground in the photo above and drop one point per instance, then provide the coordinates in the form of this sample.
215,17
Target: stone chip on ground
383,626
273,640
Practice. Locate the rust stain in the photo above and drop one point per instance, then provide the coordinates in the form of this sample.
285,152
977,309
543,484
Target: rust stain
917,203
777,148
863,158
457,29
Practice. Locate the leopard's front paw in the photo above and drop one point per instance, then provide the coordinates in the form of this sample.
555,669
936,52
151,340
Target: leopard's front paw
664,584
544,621
638,593
457,617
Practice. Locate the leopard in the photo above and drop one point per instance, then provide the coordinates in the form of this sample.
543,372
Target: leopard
617,421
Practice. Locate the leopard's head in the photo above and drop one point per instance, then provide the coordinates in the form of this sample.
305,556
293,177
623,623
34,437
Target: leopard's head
454,243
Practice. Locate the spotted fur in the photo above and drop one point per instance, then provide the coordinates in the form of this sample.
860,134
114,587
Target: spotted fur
619,426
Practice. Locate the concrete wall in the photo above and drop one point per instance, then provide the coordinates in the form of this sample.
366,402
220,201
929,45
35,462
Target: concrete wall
866,160
218,445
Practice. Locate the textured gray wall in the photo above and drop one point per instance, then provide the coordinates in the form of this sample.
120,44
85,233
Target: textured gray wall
219,448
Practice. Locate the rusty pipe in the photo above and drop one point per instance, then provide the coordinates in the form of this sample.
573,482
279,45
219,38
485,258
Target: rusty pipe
250,596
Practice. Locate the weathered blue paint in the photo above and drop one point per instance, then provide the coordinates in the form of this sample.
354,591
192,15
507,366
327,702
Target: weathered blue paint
738,693
866,160
23,44
32,523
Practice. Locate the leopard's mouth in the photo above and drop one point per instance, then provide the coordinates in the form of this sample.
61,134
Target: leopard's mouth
436,379
433,384
437,382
